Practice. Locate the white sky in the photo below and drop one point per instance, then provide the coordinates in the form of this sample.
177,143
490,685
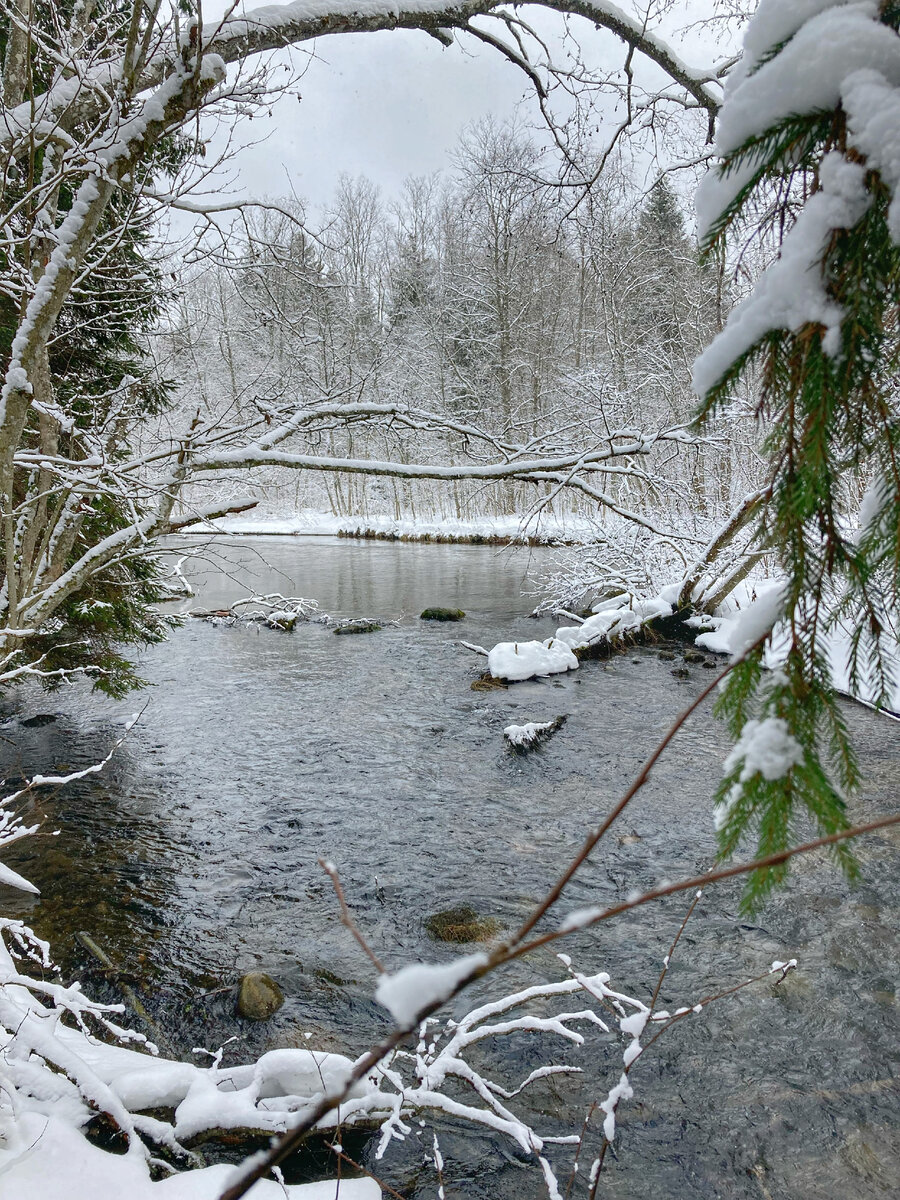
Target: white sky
385,105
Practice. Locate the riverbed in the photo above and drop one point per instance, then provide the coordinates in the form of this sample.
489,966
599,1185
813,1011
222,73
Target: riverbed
194,859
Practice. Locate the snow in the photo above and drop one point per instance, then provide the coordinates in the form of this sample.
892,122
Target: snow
872,106
547,528
791,293
612,618
765,747
578,918
55,1152
808,73
524,735
835,53
408,992
775,21
735,630
777,965
874,501
736,633
622,1091
529,660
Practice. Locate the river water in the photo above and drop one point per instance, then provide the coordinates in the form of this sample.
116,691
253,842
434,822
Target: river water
194,859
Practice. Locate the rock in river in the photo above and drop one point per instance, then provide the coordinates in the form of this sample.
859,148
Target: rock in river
442,614
259,996
358,627
460,924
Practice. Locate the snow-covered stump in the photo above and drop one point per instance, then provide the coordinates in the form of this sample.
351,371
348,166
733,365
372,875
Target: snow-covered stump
523,738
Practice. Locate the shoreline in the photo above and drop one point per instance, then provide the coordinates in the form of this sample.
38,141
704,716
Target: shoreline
501,531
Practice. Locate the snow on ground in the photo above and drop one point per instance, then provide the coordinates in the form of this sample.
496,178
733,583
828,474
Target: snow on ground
57,1162
545,528
516,661
750,611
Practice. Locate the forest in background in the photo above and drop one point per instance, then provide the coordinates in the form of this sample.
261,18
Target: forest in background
489,298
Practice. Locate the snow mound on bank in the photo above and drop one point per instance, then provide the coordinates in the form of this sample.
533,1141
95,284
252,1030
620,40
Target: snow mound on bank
612,618
531,660
58,1161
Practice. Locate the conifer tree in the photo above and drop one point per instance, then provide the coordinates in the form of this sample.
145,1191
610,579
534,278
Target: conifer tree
807,157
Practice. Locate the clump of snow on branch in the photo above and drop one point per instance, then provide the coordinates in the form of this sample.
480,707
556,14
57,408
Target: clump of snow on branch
408,992
826,54
765,747
792,292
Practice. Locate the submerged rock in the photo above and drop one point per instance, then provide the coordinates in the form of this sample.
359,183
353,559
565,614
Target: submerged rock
259,996
442,614
40,720
460,924
359,627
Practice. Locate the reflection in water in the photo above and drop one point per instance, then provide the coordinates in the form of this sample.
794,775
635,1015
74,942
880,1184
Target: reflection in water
194,859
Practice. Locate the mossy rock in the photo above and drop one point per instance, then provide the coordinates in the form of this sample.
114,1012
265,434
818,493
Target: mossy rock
359,627
487,683
259,996
442,614
460,924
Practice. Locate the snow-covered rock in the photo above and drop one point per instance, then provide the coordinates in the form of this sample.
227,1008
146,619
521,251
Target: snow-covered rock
531,660
524,737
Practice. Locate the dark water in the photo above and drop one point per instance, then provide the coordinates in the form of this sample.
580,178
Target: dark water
193,859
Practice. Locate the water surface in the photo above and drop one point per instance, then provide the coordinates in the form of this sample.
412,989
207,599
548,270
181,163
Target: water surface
194,859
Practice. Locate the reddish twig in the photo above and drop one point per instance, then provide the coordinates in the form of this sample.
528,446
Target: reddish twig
346,919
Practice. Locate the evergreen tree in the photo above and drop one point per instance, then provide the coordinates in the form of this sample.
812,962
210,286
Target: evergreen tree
807,157
99,375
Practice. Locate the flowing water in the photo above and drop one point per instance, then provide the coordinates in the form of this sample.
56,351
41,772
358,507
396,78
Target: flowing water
194,859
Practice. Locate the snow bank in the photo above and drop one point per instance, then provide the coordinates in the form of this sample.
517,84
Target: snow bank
571,530
530,660
59,1162
734,632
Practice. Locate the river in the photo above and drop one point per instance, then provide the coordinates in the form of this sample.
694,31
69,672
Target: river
194,859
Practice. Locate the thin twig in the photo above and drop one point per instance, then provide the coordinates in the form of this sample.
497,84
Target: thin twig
385,1187
668,959
346,919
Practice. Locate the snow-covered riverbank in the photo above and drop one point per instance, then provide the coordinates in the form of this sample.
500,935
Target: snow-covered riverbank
543,529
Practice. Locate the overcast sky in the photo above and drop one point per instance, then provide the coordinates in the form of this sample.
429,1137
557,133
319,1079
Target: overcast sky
385,105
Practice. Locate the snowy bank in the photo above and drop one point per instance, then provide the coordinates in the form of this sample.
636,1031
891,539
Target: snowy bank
542,530
57,1162
751,610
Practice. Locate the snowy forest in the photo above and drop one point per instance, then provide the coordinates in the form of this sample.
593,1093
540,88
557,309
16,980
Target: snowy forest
448,627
